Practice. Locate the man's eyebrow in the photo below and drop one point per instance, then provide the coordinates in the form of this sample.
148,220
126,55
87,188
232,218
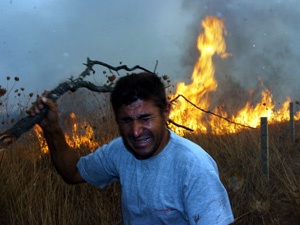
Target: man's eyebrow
142,116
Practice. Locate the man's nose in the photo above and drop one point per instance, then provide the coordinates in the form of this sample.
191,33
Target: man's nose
137,128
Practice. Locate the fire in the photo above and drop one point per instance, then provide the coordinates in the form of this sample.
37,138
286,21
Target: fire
42,142
82,134
203,83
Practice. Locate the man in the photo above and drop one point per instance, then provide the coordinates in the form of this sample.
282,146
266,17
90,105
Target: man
165,179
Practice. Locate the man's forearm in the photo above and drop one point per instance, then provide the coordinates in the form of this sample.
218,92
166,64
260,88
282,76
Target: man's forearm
63,157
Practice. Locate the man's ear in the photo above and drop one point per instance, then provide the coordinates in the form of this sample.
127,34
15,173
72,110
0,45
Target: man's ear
167,111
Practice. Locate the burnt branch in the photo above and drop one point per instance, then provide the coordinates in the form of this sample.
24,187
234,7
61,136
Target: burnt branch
26,123
10,135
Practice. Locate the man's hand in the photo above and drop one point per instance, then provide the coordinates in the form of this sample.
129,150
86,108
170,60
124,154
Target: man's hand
40,104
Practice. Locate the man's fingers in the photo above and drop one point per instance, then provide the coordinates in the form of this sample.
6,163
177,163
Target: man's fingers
44,99
37,106
48,102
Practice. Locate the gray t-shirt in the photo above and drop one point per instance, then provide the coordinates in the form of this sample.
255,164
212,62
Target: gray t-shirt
180,185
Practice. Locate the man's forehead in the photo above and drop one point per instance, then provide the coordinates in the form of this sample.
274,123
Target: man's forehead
135,104
137,109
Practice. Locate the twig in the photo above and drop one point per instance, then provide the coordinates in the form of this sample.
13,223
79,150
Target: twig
209,112
179,125
91,63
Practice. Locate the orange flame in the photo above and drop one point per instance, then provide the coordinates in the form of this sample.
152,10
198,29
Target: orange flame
81,135
203,83
42,142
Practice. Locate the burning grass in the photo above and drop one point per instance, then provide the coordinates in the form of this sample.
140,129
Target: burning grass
33,193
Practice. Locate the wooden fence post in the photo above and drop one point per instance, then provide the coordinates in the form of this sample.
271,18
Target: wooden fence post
292,123
264,146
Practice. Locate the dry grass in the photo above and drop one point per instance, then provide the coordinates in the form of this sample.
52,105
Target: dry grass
255,199
32,192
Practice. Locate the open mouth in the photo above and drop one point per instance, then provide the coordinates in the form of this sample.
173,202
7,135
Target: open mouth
140,142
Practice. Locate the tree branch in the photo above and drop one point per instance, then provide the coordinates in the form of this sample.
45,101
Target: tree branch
25,124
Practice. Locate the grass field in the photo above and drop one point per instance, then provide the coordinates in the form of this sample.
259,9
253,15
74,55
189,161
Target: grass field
32,193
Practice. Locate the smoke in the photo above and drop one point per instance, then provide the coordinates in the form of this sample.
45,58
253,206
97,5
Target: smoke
45,42
263,37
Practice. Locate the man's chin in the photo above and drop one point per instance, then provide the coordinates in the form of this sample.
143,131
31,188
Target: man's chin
142,155
139,153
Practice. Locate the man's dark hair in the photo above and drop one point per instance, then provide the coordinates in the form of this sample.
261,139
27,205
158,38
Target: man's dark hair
144,86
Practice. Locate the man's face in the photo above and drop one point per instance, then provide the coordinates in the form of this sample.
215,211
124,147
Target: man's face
142,127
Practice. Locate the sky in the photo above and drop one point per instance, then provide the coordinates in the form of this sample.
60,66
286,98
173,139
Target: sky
45,42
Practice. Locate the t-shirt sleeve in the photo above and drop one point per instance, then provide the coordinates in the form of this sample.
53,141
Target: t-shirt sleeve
99,168
206,199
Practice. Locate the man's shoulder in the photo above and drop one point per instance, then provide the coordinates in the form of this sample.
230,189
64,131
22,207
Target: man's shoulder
113,147
184,145
116,141
188,152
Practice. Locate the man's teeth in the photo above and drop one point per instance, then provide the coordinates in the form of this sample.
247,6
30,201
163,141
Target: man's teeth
142,140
